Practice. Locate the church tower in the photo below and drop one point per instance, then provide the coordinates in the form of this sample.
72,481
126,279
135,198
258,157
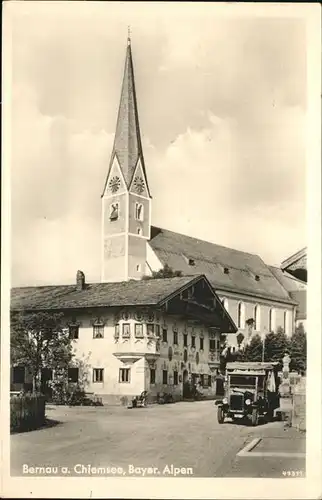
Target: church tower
126,200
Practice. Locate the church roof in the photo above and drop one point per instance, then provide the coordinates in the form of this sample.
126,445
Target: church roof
300,297
127,141
226,269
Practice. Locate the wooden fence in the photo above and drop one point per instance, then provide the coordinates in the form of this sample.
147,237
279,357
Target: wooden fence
27,412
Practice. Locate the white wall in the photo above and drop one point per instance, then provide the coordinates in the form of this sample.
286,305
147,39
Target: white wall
263,308
99,353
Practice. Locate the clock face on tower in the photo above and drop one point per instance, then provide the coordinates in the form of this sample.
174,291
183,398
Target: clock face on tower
139,184
114,184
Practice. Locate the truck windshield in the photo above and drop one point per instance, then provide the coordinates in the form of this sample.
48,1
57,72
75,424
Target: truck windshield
242,381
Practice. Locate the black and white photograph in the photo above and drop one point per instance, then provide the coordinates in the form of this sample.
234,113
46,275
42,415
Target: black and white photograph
161,208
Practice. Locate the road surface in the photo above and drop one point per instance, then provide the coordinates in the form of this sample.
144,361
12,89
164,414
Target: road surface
179,439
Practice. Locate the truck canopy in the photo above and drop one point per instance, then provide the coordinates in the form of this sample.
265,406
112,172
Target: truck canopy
256,366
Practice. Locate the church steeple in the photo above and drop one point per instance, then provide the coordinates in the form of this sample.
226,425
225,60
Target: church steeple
126,199
127,146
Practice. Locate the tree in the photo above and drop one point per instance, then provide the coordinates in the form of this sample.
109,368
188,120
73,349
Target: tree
39,340
298,350
165,272
276,345
253,351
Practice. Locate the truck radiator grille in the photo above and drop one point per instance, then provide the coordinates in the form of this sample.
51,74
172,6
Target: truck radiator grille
237,402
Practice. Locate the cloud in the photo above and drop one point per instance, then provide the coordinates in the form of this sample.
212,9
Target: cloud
223,189
222,106
57,176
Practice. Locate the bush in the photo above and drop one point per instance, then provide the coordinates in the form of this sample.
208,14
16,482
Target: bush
27,412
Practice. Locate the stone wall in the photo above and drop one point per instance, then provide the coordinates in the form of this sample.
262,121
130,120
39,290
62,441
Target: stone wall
299,406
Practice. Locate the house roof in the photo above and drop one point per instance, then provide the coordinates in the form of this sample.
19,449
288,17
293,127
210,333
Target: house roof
247,273
294,258
145,292
150,292
290,283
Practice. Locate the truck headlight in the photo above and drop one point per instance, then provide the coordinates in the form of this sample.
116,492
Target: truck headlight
248,402
225,401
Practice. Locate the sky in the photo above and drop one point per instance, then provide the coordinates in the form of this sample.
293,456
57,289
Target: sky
223,113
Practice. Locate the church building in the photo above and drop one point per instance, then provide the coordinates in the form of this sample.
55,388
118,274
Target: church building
156,334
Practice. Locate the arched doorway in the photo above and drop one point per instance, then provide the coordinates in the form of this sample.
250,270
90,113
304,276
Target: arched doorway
220,387
185,384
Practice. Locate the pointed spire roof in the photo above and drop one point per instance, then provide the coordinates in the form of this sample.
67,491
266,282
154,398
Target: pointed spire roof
127,142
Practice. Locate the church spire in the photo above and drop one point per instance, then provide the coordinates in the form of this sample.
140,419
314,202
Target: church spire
127,142
126,200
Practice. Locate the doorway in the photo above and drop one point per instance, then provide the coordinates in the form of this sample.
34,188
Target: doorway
185,384
220,389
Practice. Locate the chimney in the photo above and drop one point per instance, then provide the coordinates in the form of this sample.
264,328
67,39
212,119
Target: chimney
80,281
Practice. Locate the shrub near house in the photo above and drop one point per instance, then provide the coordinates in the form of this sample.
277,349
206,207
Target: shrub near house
27,412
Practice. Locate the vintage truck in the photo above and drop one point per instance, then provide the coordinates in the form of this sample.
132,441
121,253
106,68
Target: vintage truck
251,392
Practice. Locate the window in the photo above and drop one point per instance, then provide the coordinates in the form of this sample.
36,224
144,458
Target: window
18,375
217,344
271,320
157,330
193,341
138,331
117,331
175,378
114,211
124,376
201,343
150,329
138,268
139,231
164,335
152,376
256,318
225,303
185,340
212,344
226,270
46,374
256,277
209,380
98,331
164,377
191,262
138,211
98,374
73,332
287,317
126,331
241,315
73,375
175,338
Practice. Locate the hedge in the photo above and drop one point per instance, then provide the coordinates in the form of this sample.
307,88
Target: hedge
27,412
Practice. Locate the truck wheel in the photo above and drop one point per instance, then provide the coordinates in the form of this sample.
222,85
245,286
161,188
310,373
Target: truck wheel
220,415
254,417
